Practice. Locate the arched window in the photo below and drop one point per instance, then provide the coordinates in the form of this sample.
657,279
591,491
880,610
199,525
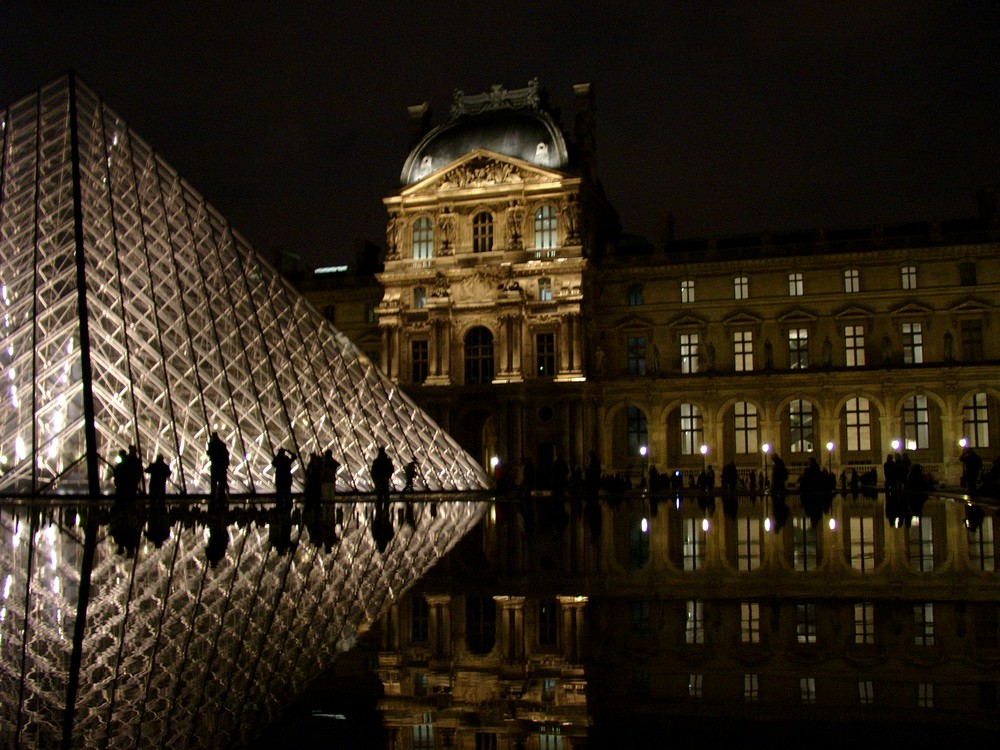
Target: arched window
638,435
423,239
479,356
482,233
545,228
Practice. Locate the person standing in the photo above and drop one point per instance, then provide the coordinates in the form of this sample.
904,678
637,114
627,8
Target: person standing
382,468
282,464
159,472
218,456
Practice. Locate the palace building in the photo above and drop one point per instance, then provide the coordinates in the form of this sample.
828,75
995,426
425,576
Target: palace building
514,310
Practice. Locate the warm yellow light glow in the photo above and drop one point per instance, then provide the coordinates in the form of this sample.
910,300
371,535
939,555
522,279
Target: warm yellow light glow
704,524
495,461
833,524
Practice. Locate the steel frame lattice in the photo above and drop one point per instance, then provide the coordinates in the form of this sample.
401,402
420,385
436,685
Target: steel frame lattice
133,314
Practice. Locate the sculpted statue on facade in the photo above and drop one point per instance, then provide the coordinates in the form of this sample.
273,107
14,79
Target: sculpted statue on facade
441,286
446,227
515,220
392,234
570,210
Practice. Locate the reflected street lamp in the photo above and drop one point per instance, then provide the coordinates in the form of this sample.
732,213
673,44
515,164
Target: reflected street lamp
644,452
764,450
829,447
704,460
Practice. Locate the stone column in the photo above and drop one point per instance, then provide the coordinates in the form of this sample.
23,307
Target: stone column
433,368
444,349
573,635
511,627
439,625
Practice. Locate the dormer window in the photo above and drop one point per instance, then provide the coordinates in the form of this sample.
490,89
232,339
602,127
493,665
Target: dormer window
482,233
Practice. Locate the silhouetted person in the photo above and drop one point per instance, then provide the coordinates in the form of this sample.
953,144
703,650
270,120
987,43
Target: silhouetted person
382,469
314,481
330,466
159,472
218,457
127,474
779,476
890,472
282,464
410,472
973,466
593,477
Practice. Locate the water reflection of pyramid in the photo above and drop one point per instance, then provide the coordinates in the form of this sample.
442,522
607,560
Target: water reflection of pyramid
133,314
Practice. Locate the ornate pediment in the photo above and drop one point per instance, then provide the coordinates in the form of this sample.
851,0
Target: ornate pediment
854,312
480,286
482,168
911,310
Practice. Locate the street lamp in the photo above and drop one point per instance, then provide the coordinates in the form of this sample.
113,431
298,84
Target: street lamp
829,447
644,452
895,444
704,453
764,450
963,443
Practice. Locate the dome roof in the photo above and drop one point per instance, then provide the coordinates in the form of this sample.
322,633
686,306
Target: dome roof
528,134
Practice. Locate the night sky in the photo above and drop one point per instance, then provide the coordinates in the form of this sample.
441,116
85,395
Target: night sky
291,118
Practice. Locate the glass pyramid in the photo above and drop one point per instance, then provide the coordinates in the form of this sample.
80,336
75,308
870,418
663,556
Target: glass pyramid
134,315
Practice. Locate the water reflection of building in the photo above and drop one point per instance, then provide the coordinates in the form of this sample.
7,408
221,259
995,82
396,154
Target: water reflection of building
724,611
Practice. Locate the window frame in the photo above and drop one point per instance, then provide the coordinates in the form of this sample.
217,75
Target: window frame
482,232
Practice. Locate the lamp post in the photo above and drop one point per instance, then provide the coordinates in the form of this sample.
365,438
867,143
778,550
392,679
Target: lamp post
895,445
644,452
764,450
704,459
829,447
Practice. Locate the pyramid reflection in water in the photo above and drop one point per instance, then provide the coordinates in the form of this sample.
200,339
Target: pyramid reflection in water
132,314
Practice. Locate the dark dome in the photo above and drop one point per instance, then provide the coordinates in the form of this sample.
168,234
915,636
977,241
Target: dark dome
527,134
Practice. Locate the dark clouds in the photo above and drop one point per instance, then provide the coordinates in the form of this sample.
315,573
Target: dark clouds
291,118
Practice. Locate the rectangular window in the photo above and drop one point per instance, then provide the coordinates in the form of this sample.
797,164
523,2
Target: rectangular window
419,361
692,430
549,685
694,685
370,316
866,692
863,544
908,277
636,355
743,350
916,423
795,284
922,544
486,741
751,691
748,543
423,239
419,297
925,694
687,291
482,233
804,544
548,622
635,295
858,421
852,281
750,622
694,544
854,345
745,425
689,352
798,348
976,421
805,623
419,619
545,290
913,344
800,426
982,553
640,620
694,627
864,624
545,355
741,287
923,624
637,429
972,340
807,690
423,736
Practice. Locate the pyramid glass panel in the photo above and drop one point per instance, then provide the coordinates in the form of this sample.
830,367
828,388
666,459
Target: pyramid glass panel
132,314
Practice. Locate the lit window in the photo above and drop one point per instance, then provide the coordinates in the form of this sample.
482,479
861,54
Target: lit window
804,544
419,297
858,423
549,688
636,355
689,352
743,350
545,228
805,622
982,552
545,290
694,626
863,543
795,284
913,344
751,691
807,690
635,295
479,356
923,624
545,355
864,624
908,275
687,291
750,622
916,423
692,431
550,735
482,233
866,692
745,424
800,426
423,735
972,340
852,280
741,287
419,360
748,543
694,685
423,239
798,348
854,344
637,432
921,544
693,547
925,694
